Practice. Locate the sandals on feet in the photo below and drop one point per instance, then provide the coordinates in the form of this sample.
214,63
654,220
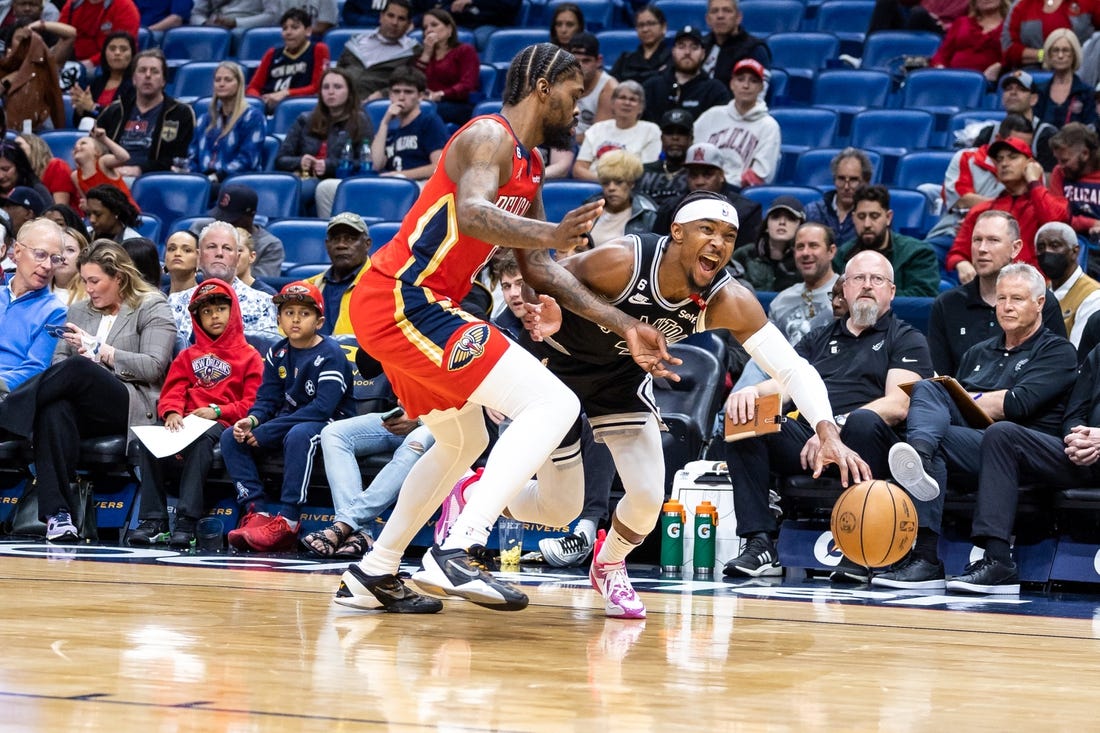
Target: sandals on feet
321,542
356,545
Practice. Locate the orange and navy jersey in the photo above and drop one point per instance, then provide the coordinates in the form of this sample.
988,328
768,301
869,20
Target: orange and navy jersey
429,251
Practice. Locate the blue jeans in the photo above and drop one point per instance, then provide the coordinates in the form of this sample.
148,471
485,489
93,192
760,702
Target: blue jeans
344,441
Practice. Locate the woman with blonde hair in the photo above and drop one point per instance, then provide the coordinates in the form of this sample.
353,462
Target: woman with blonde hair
55,173
66,281
624,212
106,377
1065,98
229,136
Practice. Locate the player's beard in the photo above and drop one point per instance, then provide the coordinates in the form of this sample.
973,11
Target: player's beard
559,137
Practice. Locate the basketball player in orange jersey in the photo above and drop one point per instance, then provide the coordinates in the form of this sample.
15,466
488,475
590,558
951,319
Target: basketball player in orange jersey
445,365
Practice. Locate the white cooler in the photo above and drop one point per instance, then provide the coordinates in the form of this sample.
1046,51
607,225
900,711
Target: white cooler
701,481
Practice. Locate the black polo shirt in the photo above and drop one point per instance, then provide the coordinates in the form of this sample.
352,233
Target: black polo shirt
1083,407
1038,374
960,319
854,367
696,96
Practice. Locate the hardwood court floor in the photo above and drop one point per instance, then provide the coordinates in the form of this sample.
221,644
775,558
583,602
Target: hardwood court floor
125,647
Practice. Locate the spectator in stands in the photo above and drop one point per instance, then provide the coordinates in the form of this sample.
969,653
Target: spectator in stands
66,285
245,263
652,56
1077,177
747,135
111,214
16,170
595,102
55,173
480,16
32,91
703,164
307,383
566,22
11,12
65,216
1065,98
22,205
862,360
451,68
728,43
225,14
28,307
769,261
1077,293
323,13
361,13
347,242
1023,375
153,127
836,298
915,268
807,304
94,21
143,251
1025,197
410,141
105,377
624,210
973,41
294,69
229,135
181,262
113,78
624,131
933,16
216,379
1030,22
370,57
1018,96
219,252
966,315
971,178
684,84
237,206
161,15
666,177
317,139
98,159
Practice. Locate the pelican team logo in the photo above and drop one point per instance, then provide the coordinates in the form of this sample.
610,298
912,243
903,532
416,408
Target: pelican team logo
210,370
469,346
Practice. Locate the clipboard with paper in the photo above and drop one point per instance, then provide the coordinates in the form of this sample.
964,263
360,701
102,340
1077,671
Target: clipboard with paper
971,410
767,418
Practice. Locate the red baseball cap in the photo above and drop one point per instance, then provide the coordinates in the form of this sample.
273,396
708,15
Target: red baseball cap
750,65
1010,143
301,291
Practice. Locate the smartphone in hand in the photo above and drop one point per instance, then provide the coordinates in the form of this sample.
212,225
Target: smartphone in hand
392,414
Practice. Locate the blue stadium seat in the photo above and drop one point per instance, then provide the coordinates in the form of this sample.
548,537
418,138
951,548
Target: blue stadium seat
892,133
187,43
149,226
560,197
679,13
487,77
376,110
599,15
504,44
778,82
144,38
287,111
812,168
194,80
301,272
61,143
303,241
802,128
885,50
278,193
382,232
614,44
960,120
911,212
924,166
385,199
171,195
943,92
488,107
802,55
764,195
336,38
254,43
848,20
765,17
848,91
271,151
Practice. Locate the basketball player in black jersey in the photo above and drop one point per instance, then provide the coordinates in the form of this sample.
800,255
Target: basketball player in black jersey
679,285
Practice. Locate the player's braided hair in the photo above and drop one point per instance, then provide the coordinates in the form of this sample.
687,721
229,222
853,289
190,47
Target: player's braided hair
540,61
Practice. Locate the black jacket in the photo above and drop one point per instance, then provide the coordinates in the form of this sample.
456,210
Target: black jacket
172,136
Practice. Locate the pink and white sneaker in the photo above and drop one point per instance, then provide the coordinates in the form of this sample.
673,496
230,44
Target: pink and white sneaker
612,582
453,504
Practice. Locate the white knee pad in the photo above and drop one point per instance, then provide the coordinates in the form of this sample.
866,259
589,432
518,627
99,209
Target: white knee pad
640,462
557,496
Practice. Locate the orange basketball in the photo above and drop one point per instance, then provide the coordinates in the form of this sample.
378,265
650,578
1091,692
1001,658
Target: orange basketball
874,523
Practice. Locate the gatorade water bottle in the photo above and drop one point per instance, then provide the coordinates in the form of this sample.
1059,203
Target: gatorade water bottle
706,519
672,536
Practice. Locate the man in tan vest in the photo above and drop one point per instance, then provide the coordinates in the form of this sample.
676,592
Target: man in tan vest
1079,295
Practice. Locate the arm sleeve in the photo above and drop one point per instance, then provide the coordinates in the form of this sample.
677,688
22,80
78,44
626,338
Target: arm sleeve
269,396
173,393
39,353
320,66
256,86
156,338
1048,206
290,152
250,131
253,376
332,385
778,358
469,68
1078,408
922,273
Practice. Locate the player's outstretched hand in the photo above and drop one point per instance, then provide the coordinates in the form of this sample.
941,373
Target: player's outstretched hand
820,451
570,233
650,351
543,318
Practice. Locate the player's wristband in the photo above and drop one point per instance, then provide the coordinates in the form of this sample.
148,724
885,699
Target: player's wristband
217,410
253,421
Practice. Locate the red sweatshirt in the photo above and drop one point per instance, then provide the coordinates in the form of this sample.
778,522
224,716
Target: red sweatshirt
225,371
1032,209
1083,195
95,21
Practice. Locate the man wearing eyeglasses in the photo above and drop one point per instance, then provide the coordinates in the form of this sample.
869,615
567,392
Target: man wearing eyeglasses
851,169
27,307
863,359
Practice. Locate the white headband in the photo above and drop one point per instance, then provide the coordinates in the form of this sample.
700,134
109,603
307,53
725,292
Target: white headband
707,209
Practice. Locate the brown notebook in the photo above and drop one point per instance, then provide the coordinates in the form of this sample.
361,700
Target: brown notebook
768,418
971,410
